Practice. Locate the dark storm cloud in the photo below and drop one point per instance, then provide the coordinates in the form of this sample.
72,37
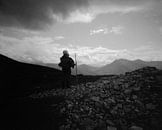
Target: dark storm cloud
36,14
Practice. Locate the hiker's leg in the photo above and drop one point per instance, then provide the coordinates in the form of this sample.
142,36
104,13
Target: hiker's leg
68,80
64,81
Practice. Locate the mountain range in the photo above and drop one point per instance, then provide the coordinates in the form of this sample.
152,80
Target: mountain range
119,66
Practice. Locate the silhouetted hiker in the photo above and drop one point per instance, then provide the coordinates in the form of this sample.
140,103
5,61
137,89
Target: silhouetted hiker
66,63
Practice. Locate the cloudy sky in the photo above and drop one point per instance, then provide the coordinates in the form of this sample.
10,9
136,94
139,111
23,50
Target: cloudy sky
98,31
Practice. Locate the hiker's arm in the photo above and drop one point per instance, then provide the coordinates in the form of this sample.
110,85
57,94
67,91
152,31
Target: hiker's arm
72,63
60,64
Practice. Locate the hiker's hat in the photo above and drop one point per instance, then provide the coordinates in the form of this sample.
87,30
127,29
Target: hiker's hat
65,52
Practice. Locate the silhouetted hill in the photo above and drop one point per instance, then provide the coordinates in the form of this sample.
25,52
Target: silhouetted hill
52,65
119,66
21,78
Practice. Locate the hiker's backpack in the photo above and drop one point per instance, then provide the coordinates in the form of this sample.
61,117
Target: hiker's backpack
66,63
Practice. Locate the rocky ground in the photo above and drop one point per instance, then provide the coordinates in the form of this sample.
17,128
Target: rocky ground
123,102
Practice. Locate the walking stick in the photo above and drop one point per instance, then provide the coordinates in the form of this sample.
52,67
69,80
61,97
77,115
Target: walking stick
76,70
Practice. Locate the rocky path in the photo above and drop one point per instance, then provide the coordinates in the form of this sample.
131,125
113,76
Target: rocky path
131,101
123,102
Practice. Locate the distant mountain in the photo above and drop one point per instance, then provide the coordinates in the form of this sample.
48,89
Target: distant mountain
121,66
86,69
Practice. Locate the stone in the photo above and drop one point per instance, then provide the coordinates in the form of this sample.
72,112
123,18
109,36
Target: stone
135,128
127,91
136,89
96,99
150,106
101,125
134,97
109,122
111,128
